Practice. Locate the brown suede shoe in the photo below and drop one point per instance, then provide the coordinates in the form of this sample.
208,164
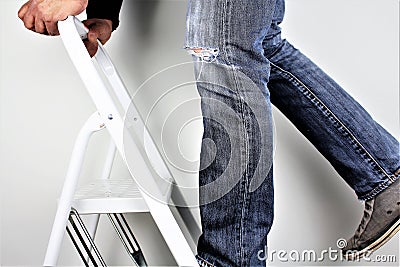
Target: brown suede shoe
380,222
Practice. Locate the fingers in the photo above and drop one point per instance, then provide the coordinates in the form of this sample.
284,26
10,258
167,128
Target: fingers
41,16
102,27
36,24
99,29
22,11
30,22
25,15
40,27
52,28
91,43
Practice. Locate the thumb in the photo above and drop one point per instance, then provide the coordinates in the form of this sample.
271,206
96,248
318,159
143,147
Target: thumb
91,42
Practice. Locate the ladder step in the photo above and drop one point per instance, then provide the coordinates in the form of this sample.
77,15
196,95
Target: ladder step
109,196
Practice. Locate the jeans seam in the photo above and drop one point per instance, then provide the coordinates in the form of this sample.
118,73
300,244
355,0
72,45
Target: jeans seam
229,56
379,188
244,184
339,125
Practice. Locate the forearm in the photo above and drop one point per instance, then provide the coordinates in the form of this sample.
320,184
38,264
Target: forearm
105,9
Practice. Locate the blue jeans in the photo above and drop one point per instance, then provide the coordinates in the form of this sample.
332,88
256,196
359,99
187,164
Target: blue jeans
242,66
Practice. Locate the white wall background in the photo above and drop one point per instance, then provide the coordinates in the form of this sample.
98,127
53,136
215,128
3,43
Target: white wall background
43,104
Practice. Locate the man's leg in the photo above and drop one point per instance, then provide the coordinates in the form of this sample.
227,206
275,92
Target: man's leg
362,152
236,191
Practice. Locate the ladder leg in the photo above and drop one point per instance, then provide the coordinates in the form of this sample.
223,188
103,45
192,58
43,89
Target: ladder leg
92,222
71,179
171,232
86,240
82,242
127,238
85,261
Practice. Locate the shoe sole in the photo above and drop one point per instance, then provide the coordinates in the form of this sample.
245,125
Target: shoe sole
374,245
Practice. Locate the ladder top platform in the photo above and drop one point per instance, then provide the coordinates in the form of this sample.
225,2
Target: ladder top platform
109,196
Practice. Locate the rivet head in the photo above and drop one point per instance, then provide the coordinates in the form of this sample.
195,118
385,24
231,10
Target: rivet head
110,116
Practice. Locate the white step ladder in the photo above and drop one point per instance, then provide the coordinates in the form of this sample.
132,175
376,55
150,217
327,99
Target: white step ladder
109,196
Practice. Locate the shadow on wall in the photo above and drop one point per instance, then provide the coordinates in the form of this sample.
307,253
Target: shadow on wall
147,30
142,15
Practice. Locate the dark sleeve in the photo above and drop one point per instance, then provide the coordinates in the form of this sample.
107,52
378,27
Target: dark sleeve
104,9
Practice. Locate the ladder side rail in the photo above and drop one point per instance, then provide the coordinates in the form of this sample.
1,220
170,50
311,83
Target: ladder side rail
92,125
152,151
